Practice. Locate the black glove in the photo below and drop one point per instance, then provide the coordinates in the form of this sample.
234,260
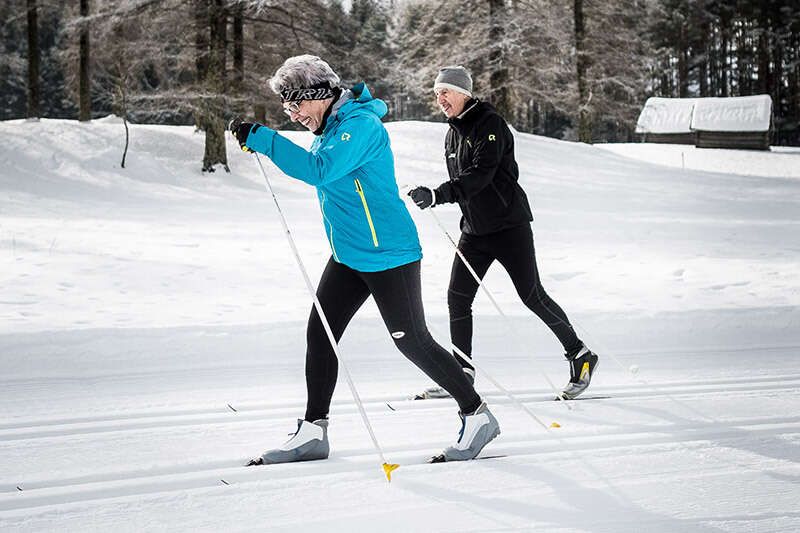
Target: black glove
241,130
423,197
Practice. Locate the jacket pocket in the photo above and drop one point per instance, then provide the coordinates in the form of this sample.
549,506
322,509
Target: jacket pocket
360,191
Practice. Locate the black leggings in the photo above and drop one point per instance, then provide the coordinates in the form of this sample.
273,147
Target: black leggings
398,294
513,248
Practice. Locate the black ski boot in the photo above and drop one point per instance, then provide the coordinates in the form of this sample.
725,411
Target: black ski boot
582,365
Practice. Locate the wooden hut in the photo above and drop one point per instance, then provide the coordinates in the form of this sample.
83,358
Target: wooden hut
667,120
741,122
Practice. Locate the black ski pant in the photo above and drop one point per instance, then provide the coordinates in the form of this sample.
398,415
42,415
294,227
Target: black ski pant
398,294
513,248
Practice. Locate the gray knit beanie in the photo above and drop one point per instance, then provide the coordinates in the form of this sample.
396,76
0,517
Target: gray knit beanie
455,78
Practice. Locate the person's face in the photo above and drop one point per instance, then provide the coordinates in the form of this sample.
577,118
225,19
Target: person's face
309,113
450,102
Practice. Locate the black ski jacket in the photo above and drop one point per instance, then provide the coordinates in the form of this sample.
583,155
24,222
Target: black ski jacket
479,150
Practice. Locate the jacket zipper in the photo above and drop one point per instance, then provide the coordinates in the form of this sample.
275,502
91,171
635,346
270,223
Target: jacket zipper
360,191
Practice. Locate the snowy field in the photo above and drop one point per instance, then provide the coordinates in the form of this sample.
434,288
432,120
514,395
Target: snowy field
778,162
152,340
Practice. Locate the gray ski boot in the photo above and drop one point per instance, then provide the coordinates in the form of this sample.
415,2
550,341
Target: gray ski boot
433,393
582,367
477,430
309,443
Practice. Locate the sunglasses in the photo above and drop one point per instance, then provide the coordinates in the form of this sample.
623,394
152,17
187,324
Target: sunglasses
291,107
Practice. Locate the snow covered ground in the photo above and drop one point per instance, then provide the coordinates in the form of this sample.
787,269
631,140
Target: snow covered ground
152,339
779,161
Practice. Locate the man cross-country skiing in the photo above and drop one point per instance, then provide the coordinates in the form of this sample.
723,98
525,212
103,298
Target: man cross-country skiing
479,152
374,244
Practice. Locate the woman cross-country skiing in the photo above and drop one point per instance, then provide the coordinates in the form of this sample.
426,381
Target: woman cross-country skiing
479,152
374,244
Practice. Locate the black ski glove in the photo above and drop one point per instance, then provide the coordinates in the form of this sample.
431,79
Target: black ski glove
241,130
423,197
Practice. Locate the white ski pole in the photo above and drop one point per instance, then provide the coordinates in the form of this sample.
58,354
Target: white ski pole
509,324
388,468
467,359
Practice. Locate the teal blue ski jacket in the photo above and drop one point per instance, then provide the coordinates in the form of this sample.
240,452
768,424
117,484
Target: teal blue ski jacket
352,166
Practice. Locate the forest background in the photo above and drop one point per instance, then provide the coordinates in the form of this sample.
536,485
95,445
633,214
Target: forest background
575,70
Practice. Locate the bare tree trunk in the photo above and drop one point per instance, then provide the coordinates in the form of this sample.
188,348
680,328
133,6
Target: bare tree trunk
260,111
127,139
201,40
238,47
498,78
34,55
703,65
743,59
683,62
764,85
724,51
210,120
581,64
213,103
218,54
85,110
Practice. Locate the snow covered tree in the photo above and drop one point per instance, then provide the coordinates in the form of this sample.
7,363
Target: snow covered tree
612,59
432,38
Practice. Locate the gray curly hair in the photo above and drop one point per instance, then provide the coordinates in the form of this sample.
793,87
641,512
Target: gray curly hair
303,71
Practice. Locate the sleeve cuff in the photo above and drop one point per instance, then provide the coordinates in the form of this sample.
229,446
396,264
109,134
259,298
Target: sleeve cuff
260,140
443,194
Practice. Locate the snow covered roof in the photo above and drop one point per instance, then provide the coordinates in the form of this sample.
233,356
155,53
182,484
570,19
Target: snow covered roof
739,113
666,115
685,115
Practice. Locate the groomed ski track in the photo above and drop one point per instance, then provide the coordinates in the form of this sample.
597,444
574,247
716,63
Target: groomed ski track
674,431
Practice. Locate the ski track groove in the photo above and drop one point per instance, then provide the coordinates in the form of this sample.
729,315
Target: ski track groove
362,462
37,429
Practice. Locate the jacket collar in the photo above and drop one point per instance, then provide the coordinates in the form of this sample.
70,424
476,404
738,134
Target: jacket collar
339,100
469,105
467,115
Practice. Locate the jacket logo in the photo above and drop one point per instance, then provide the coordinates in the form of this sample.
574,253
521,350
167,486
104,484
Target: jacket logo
345,136
451,156
492,137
